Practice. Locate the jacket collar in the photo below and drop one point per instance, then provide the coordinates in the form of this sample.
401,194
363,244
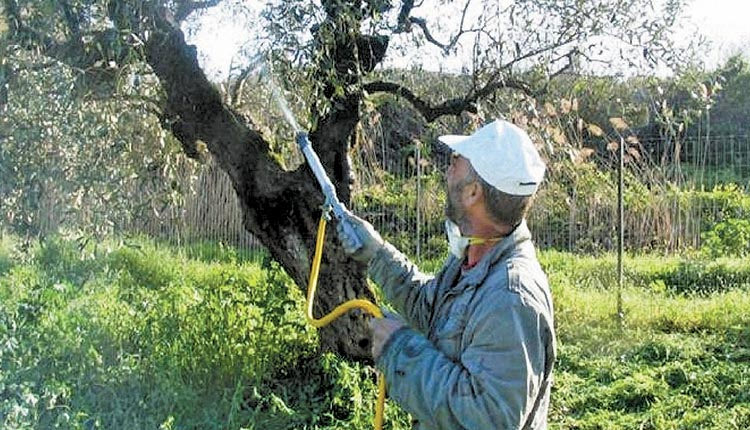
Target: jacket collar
500,251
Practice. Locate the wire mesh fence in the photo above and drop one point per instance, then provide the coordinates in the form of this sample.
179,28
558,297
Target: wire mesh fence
209,211
400,189
576,208
402,194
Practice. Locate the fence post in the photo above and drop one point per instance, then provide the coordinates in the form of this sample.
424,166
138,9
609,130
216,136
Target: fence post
620,230
419,199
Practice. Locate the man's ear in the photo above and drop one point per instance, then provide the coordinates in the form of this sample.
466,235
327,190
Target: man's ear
473,194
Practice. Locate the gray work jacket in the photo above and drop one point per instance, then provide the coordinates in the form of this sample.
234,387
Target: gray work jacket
479,346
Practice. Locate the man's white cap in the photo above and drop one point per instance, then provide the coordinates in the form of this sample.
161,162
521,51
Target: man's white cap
503,155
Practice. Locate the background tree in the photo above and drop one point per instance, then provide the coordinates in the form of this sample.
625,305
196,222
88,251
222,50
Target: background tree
135,51
732,106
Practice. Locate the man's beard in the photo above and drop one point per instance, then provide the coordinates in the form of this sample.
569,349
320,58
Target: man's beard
453,209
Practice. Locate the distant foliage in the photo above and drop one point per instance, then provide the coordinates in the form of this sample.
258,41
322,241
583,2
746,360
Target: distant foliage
7,246
730,237
732,106
71,161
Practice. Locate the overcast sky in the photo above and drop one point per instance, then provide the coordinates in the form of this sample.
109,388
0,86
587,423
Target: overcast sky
724,22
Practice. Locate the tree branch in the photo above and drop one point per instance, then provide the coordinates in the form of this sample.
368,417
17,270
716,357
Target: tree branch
567,66
446,47
72,19
503,83
235,91
453,106
186,7
430,113
403,16
422,23
405,23
535,52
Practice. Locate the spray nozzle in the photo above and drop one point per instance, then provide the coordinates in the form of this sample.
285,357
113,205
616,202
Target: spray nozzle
332,203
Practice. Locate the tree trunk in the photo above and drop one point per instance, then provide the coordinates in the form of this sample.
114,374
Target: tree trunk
280,208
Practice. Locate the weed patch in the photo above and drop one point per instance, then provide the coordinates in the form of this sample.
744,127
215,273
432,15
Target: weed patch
140,335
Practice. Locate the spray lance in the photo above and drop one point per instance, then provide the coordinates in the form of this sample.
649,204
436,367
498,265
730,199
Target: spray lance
332,201
339,211
332,204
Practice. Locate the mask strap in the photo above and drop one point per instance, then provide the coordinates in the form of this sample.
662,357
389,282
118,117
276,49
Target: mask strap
481,240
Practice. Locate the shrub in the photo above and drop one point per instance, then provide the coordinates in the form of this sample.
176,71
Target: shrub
705,277
6,252
730,237
69,260
144,266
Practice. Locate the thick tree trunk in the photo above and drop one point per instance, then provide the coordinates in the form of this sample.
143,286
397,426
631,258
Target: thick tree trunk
280,208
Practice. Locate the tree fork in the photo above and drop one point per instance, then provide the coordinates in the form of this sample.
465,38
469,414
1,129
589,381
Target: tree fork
280,208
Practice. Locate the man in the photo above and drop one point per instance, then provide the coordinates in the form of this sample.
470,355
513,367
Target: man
477,344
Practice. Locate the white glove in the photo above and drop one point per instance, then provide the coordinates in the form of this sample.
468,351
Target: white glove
382,330
358,237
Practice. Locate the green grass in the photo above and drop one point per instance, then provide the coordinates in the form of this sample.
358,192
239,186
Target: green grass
681,360
137,335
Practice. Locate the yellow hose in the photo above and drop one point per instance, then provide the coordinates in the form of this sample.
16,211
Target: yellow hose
341,309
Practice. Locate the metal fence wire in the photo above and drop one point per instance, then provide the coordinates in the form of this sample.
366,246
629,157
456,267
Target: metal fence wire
668,202
400,189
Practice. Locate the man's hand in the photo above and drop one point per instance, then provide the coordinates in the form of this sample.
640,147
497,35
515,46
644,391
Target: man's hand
382,329
369,238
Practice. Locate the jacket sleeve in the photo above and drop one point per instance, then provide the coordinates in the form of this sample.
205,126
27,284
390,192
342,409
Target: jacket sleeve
411,292
493,384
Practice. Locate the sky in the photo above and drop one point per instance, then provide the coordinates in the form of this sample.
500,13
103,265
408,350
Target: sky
723,22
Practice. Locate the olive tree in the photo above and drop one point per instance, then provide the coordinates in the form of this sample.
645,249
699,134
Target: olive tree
331,49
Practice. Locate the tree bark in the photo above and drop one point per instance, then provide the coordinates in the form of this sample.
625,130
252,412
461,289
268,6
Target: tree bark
280,208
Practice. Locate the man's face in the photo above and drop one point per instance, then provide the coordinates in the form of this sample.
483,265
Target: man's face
456,179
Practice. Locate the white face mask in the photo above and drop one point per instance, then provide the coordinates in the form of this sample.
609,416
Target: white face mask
458,244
